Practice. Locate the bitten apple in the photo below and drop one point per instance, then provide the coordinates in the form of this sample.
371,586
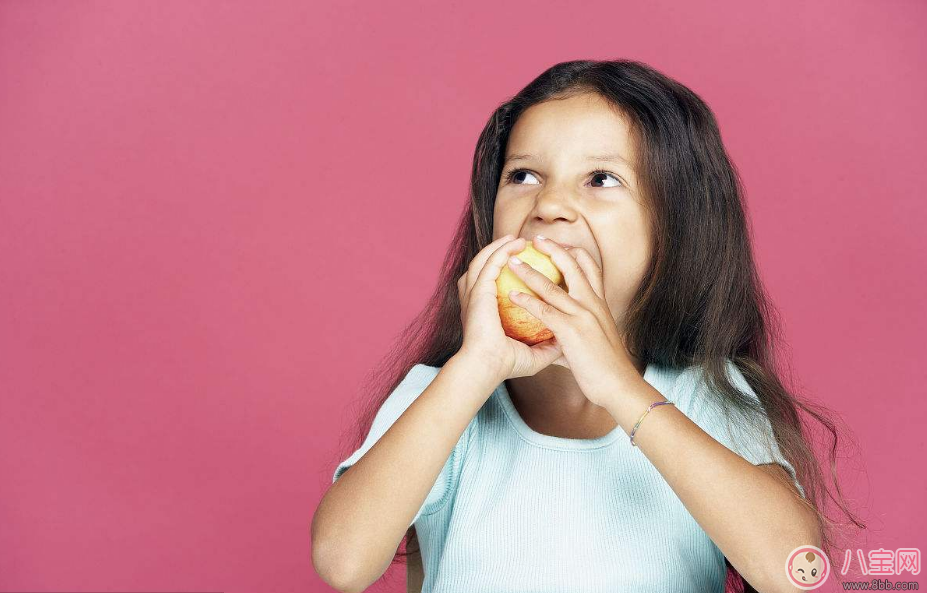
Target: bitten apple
517,323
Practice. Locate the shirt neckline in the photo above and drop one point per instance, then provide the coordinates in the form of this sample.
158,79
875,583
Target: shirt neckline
550,441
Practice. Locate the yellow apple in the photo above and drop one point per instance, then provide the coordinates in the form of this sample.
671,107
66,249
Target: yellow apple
517,322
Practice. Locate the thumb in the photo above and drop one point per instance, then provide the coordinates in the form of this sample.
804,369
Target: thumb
546,353
562,362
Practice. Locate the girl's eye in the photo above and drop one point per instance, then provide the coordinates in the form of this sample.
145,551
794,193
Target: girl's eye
597,173
814,572
511,176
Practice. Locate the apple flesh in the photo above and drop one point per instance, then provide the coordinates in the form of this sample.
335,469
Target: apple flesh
517,322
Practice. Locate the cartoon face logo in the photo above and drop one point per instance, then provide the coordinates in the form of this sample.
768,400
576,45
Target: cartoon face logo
807,567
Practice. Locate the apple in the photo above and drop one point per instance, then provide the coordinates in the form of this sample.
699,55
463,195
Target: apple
517,322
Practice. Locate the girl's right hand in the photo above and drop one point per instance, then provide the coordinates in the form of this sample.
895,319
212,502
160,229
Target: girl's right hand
483,336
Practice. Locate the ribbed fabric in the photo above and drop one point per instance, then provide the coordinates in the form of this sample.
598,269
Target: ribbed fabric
516,510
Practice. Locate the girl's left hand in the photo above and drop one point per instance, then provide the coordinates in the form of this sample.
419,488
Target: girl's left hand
580,319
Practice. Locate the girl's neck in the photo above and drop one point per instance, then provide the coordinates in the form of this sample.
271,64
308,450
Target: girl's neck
551,402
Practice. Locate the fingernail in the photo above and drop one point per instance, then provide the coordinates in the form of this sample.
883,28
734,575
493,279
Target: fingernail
514,260
541,238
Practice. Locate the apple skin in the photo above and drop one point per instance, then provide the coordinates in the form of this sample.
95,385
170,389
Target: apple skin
517,323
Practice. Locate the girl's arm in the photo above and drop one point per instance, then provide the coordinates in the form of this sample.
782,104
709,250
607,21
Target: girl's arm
363,517
754,518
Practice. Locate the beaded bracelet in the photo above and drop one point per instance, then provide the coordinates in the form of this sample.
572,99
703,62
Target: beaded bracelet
641,419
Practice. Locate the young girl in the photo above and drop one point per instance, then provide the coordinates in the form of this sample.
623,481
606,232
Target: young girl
649,446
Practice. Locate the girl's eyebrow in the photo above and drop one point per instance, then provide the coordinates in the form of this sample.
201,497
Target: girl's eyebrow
519,157
612,158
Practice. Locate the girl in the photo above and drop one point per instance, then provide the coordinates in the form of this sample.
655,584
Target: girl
648,446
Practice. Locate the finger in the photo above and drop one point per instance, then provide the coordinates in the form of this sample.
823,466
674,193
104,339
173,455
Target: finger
486,280
479,260
546,353
544,288
476,265
591,270
548,314
578,286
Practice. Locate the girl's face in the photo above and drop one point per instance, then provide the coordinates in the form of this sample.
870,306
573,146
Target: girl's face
552,184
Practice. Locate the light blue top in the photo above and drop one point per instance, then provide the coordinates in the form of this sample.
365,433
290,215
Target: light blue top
517,510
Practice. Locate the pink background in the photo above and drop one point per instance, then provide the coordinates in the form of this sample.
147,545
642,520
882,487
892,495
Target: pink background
215,216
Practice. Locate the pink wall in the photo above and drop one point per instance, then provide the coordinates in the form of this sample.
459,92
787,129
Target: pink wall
214,217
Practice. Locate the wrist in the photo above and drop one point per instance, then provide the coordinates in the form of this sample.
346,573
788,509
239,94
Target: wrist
631,398
486,375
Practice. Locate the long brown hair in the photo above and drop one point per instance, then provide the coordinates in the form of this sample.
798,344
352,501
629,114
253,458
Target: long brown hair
700,301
